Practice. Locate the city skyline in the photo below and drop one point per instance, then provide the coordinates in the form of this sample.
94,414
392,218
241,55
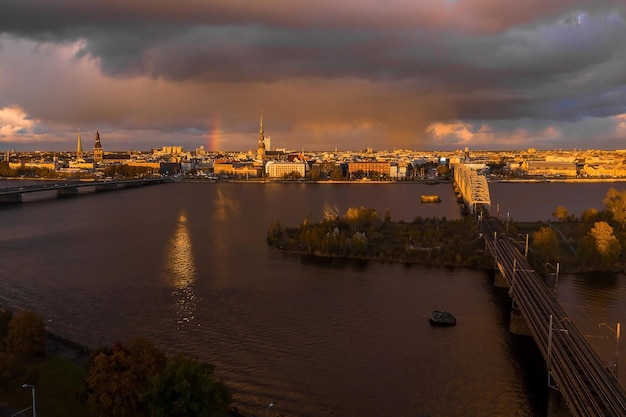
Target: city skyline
440,75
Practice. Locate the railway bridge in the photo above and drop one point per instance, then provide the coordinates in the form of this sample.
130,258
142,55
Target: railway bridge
586,386
472,185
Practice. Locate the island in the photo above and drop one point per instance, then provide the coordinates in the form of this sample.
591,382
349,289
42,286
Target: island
593,242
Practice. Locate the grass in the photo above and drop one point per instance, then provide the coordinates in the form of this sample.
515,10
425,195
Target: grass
57,381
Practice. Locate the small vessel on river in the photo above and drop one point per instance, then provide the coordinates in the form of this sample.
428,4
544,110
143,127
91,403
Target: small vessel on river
430,199
442,318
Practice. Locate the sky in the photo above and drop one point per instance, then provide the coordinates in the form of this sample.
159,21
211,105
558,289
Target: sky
325,74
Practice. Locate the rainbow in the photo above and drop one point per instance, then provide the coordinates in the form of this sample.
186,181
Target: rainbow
214,136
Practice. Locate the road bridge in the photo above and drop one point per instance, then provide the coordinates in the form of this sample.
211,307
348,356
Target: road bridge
15,195
587,387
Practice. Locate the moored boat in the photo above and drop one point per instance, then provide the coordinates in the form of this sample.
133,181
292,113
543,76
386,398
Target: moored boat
430,199
442,318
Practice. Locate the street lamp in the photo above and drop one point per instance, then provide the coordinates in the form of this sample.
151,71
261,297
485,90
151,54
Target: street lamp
557,268
550,331
32,406
617,333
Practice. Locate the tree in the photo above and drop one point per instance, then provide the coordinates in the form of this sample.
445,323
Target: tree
116,378
336,174
560,213
314,174
546,243
443,171
26,335
5,319
186,388
361,217
387,217
274,232
615,202
590,215
606,243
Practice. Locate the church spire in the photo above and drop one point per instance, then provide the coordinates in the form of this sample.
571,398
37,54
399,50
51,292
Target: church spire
261,148
98,153
79,148
261,133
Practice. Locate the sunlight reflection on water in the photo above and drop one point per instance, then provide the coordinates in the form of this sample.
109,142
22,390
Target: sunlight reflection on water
180,271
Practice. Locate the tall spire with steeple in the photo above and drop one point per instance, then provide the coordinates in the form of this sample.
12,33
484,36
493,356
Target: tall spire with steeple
98,154
79,148
261,149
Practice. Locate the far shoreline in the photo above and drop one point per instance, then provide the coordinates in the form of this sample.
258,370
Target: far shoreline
415,182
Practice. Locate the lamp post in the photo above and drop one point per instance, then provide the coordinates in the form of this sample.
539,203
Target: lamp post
525,245
556,274
272,404
550,331
513,279
617,334
32,406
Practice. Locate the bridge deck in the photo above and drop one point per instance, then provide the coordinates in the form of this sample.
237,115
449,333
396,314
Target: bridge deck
587,387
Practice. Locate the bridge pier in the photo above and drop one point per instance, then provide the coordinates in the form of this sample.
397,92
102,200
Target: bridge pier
110,186
11,198
67,192
556,405
517,323
499,281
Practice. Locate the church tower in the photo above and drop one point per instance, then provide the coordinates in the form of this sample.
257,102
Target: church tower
260,153
79,149
98,154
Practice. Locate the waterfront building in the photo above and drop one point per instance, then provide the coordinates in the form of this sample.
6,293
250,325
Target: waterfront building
550,168
276,169
98,153
235,169
606,170
367,168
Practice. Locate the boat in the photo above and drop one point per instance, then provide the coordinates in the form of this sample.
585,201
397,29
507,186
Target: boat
430,199
442,318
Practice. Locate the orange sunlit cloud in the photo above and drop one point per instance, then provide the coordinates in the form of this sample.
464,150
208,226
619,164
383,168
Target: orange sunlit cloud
14,123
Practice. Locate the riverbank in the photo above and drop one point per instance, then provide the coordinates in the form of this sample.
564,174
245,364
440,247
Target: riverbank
558,180
408,181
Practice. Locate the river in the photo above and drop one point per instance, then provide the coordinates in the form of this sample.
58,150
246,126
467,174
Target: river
187,266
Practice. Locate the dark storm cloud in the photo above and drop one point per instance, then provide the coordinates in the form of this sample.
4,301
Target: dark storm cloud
401,64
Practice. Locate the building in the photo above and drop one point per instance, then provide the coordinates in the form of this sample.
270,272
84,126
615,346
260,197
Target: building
277,169
604,170
171,150
549,168
366,169
79,149
98,153
235,169
260,153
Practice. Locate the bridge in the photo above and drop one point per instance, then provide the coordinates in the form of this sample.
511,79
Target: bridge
587,387
15,195
472,185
